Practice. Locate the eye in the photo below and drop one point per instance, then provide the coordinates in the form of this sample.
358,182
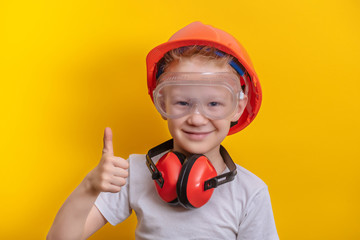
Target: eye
214,104
182,103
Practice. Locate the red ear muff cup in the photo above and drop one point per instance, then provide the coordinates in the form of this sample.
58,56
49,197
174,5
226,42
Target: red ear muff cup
190,185
169,166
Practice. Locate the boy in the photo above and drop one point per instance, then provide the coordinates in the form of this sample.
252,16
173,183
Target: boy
203,83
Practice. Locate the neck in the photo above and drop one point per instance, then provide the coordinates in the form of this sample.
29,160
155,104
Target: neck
216,160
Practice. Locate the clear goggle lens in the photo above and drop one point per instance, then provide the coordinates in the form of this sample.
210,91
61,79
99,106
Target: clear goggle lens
214,95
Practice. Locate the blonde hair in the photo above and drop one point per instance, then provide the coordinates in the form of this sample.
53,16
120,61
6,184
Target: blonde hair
207,53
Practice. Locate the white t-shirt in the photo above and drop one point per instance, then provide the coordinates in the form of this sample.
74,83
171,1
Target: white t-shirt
240,209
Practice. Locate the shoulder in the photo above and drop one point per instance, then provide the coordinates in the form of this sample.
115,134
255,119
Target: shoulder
137,163
257,220
136,158
249,177
138,170
141,158
248,182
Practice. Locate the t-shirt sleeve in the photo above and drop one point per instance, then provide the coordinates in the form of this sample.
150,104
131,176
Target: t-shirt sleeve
115,207
258,220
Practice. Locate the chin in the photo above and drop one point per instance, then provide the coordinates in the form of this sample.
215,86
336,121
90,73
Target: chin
196,150
196,147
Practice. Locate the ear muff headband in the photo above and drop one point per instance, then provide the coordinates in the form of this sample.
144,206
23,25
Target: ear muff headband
226,177
155,173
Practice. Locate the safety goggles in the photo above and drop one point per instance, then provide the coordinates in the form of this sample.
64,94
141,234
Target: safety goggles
214,95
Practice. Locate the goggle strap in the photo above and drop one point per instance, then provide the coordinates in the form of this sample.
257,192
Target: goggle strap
232,63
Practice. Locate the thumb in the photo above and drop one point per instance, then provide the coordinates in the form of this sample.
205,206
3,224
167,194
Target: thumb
108,145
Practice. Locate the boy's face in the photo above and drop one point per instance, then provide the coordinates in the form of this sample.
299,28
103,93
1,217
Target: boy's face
194,132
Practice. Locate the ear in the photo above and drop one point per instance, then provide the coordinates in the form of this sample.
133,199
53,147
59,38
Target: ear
240,108
163,117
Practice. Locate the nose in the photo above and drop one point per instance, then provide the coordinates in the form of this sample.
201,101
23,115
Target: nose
196,118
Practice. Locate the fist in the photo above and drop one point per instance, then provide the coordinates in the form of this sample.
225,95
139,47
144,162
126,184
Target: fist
111,172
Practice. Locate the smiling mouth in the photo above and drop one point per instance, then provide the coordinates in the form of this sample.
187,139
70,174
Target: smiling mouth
196,135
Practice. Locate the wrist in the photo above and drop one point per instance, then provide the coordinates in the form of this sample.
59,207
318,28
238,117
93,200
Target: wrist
88,186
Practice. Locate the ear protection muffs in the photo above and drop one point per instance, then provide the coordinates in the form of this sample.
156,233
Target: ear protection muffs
186,181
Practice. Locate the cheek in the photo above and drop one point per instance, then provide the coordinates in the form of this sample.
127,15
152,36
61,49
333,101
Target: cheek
173,125
223,126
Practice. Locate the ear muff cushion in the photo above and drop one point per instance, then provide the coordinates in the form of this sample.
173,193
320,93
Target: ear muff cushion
169,166
190,186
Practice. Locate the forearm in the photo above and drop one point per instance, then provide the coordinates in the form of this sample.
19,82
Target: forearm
73,220
70,220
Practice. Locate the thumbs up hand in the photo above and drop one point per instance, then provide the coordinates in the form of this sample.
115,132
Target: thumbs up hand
111,172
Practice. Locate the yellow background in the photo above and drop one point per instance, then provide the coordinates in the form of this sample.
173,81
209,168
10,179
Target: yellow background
70,68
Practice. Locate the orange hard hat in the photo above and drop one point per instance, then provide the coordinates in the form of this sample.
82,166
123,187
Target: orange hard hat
200,34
